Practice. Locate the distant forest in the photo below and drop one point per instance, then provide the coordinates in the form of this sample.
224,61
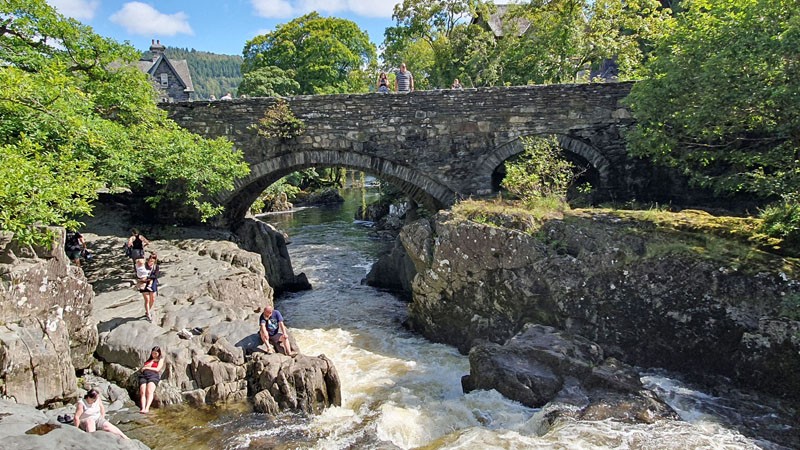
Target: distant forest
212,74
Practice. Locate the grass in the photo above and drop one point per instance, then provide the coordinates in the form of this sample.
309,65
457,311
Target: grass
507,214
734,241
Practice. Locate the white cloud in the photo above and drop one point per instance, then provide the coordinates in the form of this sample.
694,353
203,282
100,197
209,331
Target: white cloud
142,19
291,8
277,9
77,9
374,8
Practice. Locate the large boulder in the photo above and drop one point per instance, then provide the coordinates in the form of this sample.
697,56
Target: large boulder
394,272
540,365
303,383
263,239
48,330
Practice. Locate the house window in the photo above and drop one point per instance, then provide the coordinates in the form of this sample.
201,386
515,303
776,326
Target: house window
164,80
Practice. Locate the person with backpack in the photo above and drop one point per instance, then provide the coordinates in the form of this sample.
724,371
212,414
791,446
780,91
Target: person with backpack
134,248
74,246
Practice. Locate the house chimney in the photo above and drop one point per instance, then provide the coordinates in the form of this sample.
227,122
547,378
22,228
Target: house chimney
156,48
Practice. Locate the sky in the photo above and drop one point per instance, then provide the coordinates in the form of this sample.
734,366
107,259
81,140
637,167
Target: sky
217,26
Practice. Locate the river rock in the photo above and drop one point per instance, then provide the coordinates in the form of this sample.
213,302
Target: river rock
265,240
542,365
649,297
394,272
302,383
227,352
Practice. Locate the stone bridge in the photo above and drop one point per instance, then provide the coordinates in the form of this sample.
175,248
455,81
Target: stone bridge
437,146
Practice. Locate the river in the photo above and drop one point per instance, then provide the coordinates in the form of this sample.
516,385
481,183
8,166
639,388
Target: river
402,391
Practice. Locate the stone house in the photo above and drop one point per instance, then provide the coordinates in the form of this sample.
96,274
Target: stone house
171,77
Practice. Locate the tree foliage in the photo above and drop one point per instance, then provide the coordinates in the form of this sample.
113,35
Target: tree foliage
324,55
543,41
433,37
722,97
77,115
269,81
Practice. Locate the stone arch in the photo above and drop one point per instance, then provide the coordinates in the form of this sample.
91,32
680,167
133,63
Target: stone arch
599,162
419,187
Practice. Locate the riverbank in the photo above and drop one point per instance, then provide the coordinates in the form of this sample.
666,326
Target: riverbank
205,320
398,389
684,293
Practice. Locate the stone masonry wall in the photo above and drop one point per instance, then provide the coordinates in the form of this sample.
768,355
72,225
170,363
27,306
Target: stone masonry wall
437,146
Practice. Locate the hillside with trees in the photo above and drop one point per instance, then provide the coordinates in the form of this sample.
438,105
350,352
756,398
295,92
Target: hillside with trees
212,74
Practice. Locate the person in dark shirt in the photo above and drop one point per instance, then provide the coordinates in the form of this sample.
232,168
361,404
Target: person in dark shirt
74,246
136,244
272,331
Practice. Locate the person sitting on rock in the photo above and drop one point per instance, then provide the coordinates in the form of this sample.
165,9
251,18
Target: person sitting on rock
273,331
90,415
149,377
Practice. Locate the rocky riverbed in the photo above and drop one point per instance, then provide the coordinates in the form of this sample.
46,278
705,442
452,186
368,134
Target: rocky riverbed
65,329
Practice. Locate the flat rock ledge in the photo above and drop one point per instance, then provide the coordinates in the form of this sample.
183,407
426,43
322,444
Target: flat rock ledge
23,427
205,321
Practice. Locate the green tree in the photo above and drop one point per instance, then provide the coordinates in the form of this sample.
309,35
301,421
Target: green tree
568,36
434,38
326,55
77,115
722,97
269,81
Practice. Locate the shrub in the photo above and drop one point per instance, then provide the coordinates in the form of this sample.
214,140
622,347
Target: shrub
280,122
782,220
539,172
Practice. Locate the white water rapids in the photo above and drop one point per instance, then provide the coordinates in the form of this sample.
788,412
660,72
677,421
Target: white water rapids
402,391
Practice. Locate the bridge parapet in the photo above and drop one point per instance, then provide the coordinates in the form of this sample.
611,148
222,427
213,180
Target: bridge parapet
438,146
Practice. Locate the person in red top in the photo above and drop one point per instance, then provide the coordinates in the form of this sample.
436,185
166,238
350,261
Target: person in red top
149,378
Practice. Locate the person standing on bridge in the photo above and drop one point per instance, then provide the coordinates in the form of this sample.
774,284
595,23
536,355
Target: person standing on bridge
383,83
404,82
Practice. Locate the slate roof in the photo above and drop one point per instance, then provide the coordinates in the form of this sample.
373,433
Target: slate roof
180,67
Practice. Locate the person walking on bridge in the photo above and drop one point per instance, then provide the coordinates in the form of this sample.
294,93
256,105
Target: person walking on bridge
404,82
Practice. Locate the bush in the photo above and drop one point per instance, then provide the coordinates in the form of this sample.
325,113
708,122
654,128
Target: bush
539,172
782,220
280,122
